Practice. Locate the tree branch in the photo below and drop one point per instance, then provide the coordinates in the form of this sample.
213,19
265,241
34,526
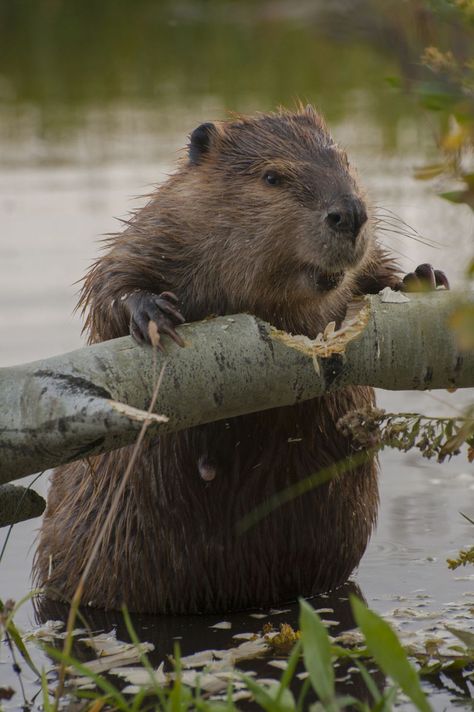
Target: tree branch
94,400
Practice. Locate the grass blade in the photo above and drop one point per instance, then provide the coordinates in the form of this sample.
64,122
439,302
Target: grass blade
388,653
317,655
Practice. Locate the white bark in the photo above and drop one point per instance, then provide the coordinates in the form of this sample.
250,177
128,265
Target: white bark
93,400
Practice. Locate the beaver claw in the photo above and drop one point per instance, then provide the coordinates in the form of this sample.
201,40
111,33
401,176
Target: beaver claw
424,279
160,308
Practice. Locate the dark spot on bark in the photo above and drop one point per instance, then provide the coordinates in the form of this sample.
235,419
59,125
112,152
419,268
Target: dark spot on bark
264,335
220,361
459,363
102,364
332,368
218,396
298,389
75,384
428,375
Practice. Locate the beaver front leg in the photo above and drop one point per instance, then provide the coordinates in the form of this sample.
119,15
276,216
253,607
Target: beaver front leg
423,279
144,307
383,271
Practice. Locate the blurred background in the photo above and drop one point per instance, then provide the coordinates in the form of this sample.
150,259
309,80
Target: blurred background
96,102
97,99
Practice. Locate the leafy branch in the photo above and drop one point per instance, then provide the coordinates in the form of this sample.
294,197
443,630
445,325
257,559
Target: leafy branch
440,437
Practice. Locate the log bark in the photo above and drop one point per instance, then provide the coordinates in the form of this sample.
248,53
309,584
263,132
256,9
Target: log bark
18,504
94,399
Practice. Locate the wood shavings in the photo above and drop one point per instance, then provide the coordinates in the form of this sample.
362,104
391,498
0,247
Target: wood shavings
389,296
330,341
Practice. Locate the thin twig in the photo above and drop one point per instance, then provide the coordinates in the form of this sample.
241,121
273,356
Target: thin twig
76,600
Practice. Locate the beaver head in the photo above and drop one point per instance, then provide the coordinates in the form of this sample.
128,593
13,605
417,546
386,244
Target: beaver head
274,207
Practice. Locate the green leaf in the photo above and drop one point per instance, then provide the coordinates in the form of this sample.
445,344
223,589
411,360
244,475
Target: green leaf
100,681
289,671
385,704
459,196
305,688
388,653
270,697
317,654
463,635
47,704
14,634
468,178
369,681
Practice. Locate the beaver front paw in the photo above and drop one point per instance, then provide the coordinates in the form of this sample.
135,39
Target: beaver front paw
424,279
160,308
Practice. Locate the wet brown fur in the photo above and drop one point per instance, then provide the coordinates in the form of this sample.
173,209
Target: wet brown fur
225,242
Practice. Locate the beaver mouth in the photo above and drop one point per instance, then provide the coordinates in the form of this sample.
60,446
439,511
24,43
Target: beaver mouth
323,281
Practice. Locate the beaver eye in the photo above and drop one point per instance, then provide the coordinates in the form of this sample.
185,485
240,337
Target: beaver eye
272,178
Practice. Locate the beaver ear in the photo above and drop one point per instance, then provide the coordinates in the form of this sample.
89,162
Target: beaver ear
200,142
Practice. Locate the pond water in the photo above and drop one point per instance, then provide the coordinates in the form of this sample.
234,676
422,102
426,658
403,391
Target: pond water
93,113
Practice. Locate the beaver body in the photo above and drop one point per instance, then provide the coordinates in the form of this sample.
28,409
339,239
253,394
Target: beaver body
264,215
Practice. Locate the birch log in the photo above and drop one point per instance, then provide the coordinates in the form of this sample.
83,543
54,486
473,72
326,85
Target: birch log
93,400
18,504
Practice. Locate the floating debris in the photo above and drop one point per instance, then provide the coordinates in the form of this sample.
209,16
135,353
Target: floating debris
223,625
280,664
278,611
140,676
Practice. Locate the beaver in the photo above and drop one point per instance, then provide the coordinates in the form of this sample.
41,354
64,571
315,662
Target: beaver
263,215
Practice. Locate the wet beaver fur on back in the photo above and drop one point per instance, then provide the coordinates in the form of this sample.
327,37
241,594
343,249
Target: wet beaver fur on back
264,215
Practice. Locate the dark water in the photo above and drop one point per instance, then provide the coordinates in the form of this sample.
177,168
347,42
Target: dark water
96,101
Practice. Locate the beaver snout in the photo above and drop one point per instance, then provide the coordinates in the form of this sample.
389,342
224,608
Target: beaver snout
347,215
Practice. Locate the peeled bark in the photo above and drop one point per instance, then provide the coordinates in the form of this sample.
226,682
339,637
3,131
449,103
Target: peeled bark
94,400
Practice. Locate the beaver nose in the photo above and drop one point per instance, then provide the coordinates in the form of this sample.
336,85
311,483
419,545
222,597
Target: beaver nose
347,215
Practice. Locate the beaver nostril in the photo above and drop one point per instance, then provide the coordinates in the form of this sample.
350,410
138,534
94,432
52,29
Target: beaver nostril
334,219
348,216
